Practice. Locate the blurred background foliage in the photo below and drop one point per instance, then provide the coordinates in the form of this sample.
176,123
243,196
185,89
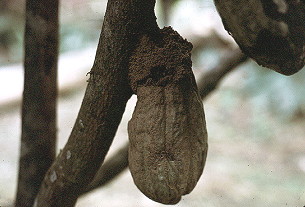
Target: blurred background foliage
80,23
11,31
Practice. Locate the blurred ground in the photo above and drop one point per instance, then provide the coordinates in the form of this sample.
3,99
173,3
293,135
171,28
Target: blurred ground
256,157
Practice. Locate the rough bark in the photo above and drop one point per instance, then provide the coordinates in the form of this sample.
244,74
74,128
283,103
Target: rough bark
207,83
103,105
39,98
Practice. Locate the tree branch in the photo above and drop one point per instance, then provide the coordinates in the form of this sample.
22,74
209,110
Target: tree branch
38,136
103,105
206,84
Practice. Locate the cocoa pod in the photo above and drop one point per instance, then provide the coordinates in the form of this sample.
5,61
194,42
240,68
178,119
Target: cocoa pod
168,141
272,32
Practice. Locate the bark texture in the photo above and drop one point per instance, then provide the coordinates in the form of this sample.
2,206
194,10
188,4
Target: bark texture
39,98
103,105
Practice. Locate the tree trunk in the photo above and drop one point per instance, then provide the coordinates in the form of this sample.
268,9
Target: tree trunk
104,103
39,98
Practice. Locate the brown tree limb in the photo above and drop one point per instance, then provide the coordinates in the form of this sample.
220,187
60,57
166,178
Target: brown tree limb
206,84
38,136
103,105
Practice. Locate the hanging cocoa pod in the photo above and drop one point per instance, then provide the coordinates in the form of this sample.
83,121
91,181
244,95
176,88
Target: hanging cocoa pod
167,131
168,142
272,32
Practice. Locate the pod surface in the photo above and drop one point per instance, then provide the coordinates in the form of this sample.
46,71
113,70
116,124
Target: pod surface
168,141
272,32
